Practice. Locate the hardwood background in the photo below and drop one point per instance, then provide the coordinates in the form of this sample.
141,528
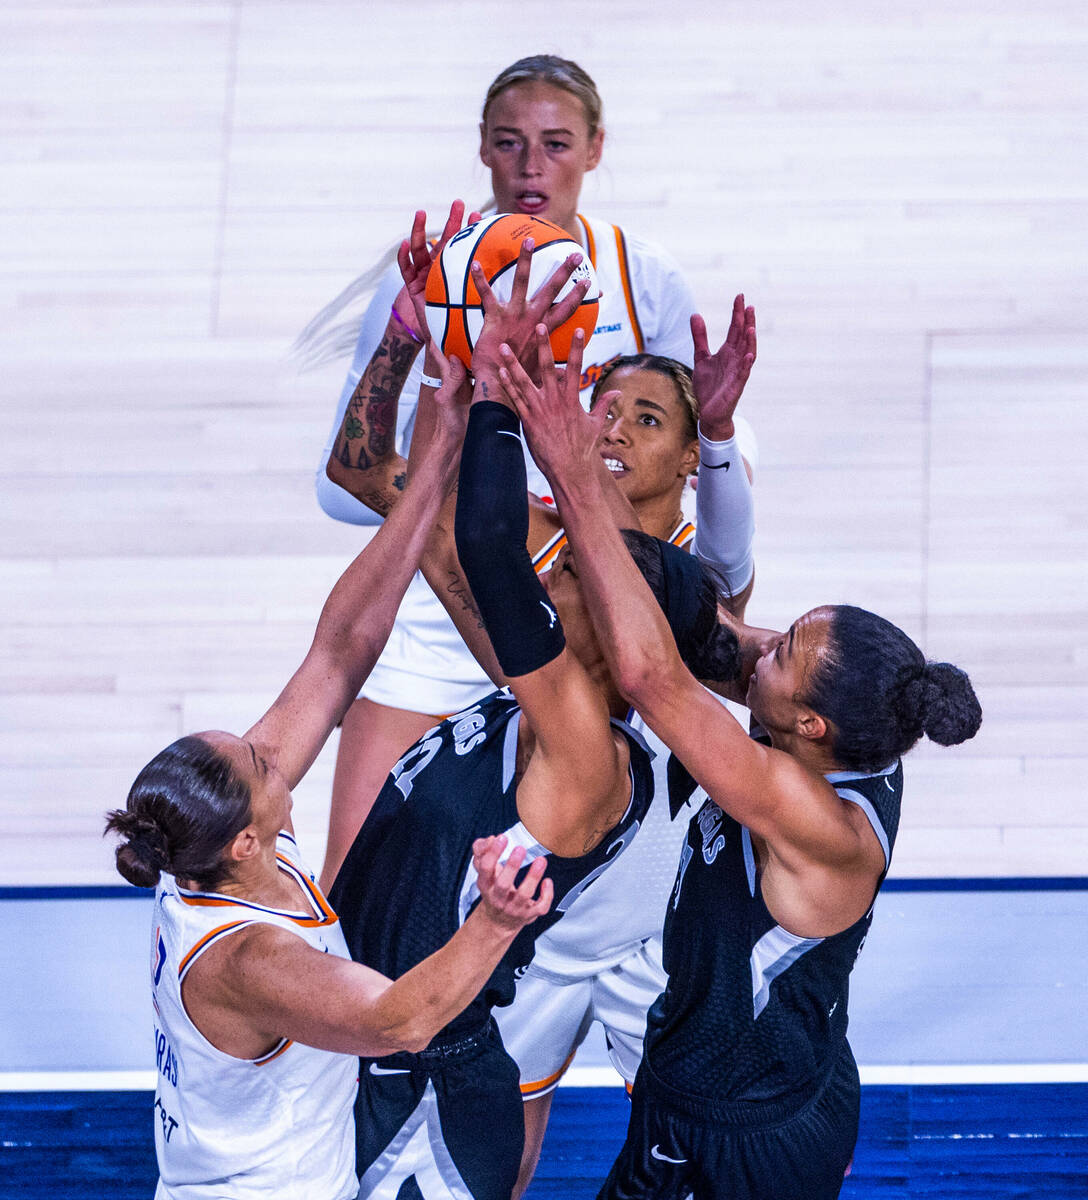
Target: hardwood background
901,191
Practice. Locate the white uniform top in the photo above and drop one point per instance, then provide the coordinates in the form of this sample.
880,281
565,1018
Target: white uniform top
627,903
237,1129
645,306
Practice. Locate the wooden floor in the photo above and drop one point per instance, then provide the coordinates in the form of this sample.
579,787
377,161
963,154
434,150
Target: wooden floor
902,191
974,1143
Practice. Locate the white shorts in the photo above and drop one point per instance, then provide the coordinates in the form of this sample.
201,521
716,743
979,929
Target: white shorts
551,1016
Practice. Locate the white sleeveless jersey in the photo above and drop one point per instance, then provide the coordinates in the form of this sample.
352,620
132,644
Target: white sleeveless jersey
230,1128
645,305
627,903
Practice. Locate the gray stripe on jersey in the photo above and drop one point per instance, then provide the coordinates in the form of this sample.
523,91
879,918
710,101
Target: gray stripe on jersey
749,858
516,835
510,750
867,808
417,1149
846,776
776,950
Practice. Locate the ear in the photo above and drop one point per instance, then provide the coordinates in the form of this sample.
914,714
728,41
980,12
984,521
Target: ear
246,845
689,463
810,725
485,151
596,149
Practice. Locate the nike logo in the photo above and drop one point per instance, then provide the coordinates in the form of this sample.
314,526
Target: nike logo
888,784
376,1070
656,1153
509,433
552,615
718,466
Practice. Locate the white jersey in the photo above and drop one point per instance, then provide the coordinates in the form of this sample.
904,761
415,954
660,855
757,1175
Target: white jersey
645,306
626,905
237,1129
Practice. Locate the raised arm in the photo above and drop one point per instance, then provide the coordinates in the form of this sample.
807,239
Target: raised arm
364,460
359,613
577,771
264,984
725,519
759,787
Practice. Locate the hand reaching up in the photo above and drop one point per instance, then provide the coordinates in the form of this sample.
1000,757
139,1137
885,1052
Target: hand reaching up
719,378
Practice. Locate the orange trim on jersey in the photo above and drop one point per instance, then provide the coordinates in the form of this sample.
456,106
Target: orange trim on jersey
531,1090
204,942
682,534
591,245
310,889
317,899
628,293
272,1054
546,555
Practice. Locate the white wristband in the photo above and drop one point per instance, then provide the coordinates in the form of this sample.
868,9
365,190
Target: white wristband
431,381
725,518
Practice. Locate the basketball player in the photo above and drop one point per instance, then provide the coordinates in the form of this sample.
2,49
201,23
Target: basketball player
604,961
541,132
748,1088
259,1013
548,763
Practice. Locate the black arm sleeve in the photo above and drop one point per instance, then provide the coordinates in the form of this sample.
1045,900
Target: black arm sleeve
490,527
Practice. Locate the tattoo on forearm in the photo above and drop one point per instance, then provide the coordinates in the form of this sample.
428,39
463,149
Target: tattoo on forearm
378,501
371,417
458,588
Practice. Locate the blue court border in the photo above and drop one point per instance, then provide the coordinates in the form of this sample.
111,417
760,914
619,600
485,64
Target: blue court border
1010,883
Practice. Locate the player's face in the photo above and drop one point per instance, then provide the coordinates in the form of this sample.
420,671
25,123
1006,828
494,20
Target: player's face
565,595
537,145
269,797
781,674
647,443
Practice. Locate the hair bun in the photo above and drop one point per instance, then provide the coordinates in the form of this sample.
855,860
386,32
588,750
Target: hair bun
948,705
144,854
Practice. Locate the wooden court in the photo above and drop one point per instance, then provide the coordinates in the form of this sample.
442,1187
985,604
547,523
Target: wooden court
900,190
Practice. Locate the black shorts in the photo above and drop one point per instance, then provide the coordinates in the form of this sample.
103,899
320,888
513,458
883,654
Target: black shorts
450,1119
671,1152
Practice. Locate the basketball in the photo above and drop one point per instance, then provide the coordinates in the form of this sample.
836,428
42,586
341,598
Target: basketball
455,312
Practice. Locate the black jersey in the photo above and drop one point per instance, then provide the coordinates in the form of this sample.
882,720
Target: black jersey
408,882
751,1012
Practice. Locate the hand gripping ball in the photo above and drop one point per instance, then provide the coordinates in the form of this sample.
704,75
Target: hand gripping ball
455,313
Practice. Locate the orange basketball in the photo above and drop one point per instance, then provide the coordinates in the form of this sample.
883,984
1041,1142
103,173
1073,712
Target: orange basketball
455,313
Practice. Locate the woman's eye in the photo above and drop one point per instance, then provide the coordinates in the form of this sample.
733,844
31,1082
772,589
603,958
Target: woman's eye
558,146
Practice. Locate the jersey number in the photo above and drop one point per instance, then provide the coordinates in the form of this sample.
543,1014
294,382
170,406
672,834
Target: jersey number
410,765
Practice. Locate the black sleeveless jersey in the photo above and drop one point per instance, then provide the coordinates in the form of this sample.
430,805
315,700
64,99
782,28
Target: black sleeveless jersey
408,881
751,1012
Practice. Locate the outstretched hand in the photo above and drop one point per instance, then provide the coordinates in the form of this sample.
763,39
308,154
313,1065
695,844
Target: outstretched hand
719,378
506,904
513,323
562,436
415,257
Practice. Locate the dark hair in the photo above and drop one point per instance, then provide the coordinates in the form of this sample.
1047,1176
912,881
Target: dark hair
876,687
678,373
183,810
561,73
687,591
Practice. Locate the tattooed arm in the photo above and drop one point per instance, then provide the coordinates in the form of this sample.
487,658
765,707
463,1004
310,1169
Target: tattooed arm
364,459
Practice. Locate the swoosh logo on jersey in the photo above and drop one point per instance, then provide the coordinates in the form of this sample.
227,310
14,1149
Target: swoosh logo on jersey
656,1153
376,1070
888,784
552,615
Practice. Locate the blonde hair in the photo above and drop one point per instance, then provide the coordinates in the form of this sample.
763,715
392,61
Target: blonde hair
332,334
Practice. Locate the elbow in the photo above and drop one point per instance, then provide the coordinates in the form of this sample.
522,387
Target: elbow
643,676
